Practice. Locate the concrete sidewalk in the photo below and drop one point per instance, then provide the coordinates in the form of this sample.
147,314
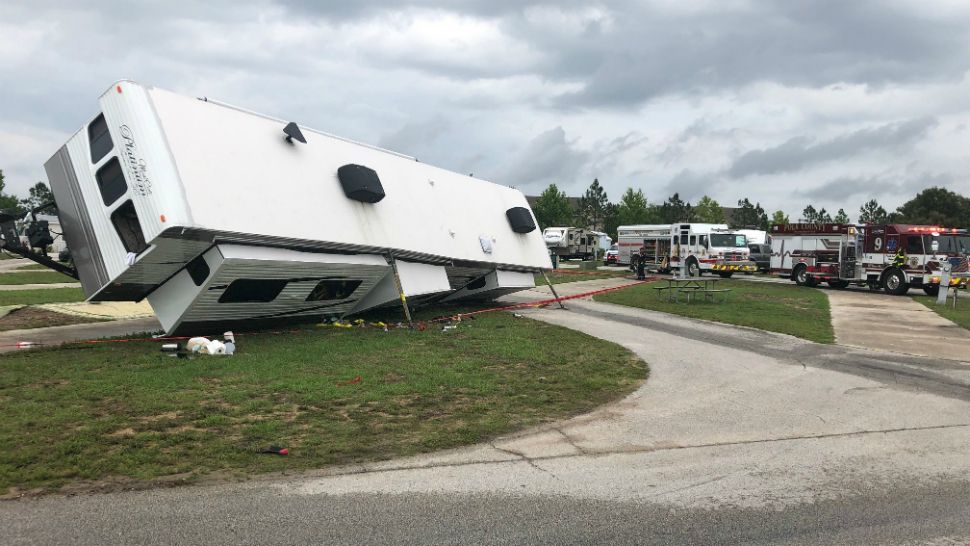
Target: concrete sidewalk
44,286
57,335
895,323
6,266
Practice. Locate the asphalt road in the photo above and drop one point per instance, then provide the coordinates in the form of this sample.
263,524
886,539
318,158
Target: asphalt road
739,436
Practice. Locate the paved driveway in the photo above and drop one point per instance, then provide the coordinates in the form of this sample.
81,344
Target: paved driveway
739,435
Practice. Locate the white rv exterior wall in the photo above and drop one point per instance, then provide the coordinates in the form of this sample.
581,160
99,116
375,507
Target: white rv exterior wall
239,175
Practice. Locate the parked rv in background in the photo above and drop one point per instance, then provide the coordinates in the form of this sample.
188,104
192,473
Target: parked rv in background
571,242
894,257
698,247
604,242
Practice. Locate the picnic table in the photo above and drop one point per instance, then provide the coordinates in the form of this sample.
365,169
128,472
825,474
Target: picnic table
689,288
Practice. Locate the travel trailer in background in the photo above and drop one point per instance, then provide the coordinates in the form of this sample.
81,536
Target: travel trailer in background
219,215
571,242
894,257
604,242
698,247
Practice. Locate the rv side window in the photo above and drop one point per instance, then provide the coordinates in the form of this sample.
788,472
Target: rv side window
125,220
683,239
702,239
693,240
333,289
99,139
252,291
111,181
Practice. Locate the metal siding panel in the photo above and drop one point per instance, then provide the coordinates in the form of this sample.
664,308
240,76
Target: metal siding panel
76,222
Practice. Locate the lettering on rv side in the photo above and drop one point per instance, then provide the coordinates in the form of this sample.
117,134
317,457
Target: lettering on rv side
136,165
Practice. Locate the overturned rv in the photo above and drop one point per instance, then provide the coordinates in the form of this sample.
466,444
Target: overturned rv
218,215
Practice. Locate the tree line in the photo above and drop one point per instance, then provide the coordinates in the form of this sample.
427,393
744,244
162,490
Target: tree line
937,206
37,195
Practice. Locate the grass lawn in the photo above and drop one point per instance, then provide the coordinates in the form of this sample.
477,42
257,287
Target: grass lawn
789,309
34,277
960,315
40,295
557,276
124,415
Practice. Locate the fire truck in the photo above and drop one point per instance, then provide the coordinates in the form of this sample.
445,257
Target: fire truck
893,257
698,247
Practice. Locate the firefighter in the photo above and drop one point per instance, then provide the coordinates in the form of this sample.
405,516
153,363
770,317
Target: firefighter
900,259
641,264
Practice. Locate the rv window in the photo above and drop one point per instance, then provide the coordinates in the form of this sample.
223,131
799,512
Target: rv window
99,139
125,220
252,291
683,239
914,244
693,240
199,270
703,240
111,181
333,289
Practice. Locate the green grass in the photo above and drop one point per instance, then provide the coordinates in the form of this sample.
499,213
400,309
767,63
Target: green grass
40,295
34,277
960,315
127,414
558,276
788,309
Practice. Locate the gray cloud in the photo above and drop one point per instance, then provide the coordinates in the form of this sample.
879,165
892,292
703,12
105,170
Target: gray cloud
800,152
547,158
691,186
874,185
645,93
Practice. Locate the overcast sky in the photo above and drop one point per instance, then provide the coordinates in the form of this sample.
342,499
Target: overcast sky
788,102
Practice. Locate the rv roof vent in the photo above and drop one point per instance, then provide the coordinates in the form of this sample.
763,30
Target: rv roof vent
520,220
360,183
293,132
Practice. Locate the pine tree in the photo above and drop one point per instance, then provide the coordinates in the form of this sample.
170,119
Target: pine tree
872,213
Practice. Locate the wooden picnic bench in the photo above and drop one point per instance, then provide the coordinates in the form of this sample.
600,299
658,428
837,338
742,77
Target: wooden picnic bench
691,288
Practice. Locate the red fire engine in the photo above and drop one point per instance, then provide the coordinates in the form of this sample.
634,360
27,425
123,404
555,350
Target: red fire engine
893,257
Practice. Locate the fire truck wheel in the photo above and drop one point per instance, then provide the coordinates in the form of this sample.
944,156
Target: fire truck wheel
931,289
725,274
693,270
895,282
800,275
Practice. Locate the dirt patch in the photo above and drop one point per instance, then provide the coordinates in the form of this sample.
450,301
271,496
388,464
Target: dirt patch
35,317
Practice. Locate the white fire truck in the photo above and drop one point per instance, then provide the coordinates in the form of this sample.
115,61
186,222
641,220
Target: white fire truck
698,247
893,257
